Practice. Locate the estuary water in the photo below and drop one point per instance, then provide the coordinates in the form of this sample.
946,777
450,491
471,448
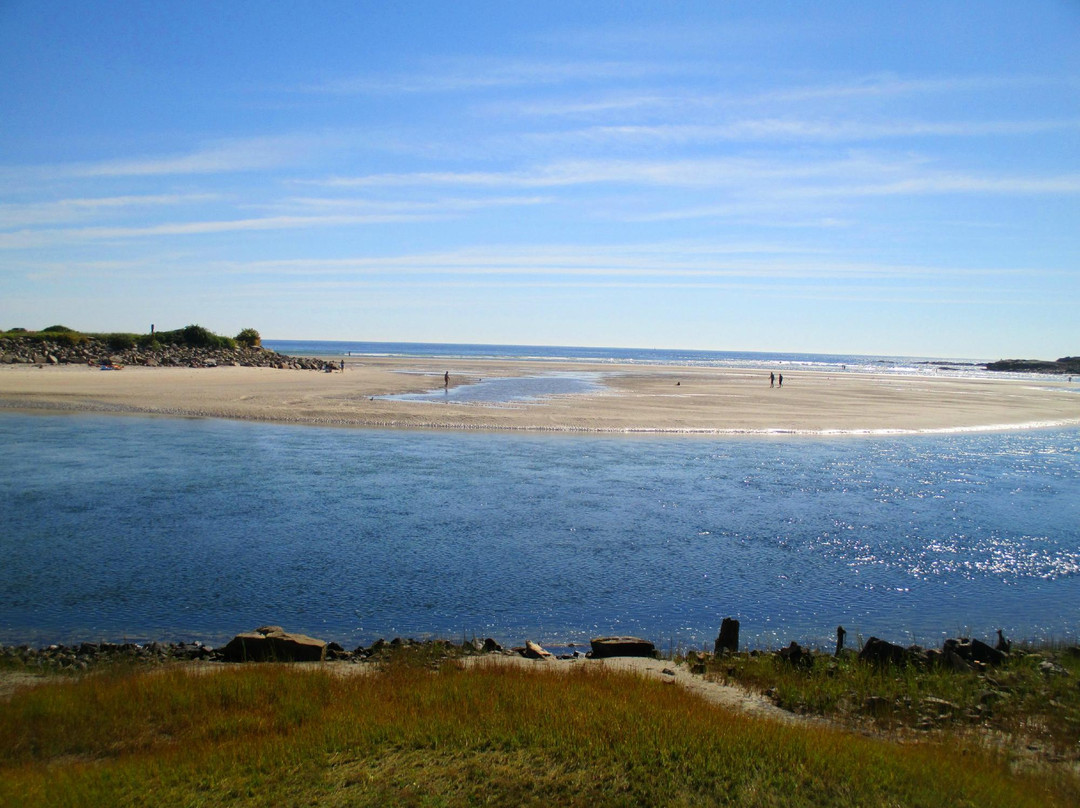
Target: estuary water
152,528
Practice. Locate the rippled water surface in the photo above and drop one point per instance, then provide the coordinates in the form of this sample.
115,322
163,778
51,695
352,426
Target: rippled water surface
178,529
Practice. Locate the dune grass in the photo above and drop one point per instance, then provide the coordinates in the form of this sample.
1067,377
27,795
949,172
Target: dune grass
287,735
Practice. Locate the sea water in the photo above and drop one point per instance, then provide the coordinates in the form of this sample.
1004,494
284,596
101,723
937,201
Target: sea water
539,354
153,528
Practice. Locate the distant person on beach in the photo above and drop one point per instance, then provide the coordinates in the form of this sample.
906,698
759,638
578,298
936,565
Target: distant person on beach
342,365
446,380
772,380
780,380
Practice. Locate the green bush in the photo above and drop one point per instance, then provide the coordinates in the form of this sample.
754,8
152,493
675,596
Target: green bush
120,342
249,338
59,329
69,338
198,337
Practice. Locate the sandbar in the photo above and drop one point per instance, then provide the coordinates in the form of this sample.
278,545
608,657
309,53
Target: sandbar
633,399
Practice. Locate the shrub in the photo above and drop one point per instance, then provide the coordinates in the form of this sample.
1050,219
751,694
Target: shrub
120,342
249,338
59,329
198,337
69,338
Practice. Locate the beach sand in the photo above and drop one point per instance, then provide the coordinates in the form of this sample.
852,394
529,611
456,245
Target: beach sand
635,398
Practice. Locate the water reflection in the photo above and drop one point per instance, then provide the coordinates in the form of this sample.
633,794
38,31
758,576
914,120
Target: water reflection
510,390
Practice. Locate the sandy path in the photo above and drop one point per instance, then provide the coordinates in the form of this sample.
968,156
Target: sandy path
634,399
729,697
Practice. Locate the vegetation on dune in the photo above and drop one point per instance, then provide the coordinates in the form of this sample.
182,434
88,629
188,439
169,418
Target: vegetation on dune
249,337
194,336
277,734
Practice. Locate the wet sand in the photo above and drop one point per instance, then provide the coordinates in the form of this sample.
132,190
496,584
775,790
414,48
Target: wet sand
634,398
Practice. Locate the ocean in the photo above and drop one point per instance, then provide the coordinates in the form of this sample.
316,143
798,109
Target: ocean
147,528
853,363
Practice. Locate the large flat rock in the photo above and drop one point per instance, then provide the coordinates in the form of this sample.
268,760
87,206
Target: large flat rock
274,644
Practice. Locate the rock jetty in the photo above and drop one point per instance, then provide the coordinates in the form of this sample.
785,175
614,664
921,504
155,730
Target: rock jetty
25,351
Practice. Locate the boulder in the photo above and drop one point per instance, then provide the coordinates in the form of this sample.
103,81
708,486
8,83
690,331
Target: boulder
605,647
274,644
975,651
535,651
797,655
881,652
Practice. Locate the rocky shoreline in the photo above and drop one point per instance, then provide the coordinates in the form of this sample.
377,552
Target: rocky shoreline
95,351
1066,365
274,644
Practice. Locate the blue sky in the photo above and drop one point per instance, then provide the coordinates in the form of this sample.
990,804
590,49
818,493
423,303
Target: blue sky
893,178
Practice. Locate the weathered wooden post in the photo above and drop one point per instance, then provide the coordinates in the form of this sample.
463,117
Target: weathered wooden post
728,640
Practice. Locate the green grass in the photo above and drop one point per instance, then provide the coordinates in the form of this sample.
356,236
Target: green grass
407,735
1016,700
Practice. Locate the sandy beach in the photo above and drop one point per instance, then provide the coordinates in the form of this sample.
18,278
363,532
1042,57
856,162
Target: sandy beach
633,398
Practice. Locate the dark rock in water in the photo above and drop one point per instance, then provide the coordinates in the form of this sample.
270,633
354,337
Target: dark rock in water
606,647
274,644
728,638
881,652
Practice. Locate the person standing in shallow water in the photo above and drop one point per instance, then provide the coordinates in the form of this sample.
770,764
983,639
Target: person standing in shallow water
446,380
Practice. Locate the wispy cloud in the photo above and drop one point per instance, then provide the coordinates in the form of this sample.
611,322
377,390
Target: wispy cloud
655,260
693,172
780,129
945,183
696,100
220,157
65,210
855,175
298,215
441,206
23,239
477,74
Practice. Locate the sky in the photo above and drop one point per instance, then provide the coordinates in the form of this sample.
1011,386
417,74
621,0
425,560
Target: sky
847,177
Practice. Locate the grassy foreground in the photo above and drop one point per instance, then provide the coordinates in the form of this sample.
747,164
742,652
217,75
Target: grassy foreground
1029,702
284,735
